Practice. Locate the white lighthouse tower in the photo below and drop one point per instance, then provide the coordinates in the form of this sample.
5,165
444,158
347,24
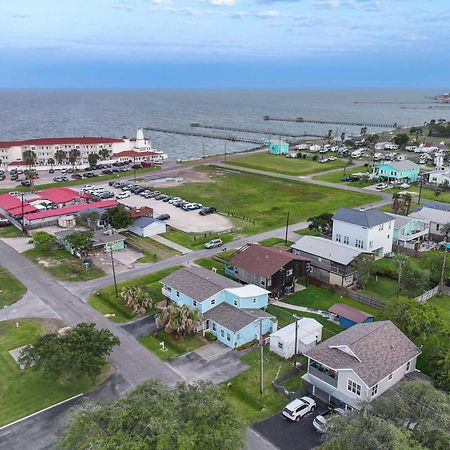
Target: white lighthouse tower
142,144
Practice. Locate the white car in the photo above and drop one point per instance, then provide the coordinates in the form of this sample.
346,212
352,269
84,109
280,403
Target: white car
214,243
122,195
404,186
87,187
320,421
381,186
298,408
173,200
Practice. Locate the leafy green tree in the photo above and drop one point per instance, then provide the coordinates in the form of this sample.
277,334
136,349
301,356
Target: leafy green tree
78,352
433,262
118,217
178,320
414,318
29,157
80,241
438,352
155,416
88,219
51,162
43,240
413,279
322,223
401,140
104,153
93,159
60,156
363,268
136,299
74,154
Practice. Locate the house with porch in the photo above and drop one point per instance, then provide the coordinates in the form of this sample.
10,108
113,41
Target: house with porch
229,310
329,261
359,364
397,172
409,232
277,147
436,217
275,269
370,230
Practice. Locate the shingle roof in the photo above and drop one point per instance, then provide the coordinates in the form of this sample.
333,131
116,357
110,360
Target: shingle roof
432,215
327,249
142,222
198,283
262,260
402,165
380,348
347,311
366,218
232,318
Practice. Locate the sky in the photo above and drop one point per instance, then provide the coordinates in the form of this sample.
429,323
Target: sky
224,43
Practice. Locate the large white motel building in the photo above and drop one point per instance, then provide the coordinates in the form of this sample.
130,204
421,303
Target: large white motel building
137,150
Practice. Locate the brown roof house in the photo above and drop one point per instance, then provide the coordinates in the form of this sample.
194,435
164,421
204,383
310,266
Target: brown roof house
274,269
359,364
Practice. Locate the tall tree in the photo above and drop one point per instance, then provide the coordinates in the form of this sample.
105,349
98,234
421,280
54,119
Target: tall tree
74,154
372,139
80,241
60,156
43,241
401,139
179,320
93,159
155,416
51,162
363,268
88,219
104,153
118,216
29,157
78,352
396,202
136,299
322,223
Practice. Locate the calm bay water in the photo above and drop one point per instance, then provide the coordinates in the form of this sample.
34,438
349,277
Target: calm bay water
46,113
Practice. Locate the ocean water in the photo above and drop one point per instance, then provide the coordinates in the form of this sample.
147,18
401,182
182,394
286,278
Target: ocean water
46,113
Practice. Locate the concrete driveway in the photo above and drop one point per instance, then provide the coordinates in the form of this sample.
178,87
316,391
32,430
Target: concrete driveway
285,434
140,327
215,362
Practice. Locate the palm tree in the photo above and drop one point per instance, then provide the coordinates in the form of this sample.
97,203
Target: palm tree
30,158
93,159
179,320
395,201
74,154
407,198
104,153
51,161
60,156
136,299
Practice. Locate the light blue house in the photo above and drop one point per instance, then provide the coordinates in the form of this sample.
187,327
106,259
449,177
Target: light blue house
397,171
230,311
277,147
410,231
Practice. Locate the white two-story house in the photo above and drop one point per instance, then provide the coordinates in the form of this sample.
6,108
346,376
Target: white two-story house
359,364
370,230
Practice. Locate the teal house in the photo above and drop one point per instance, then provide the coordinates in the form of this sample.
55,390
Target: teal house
410,231
397,172
229,311
102,241
277,147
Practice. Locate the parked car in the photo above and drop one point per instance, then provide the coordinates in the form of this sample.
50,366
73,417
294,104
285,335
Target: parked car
298,408
168,197
51,171
174,200
156,193
123,195
381,186
2,177
4,222
404,186
76,176
320,421
26,183
15,193
160,197
214,243
207,210
163,217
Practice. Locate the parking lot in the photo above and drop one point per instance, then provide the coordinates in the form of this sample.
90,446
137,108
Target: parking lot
189,221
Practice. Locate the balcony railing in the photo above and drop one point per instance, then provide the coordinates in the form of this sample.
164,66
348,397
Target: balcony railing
166,292
323,376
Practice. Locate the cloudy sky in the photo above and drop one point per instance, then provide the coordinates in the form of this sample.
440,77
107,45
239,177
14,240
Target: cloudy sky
222,43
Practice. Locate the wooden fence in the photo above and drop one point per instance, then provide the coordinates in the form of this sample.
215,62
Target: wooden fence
432,293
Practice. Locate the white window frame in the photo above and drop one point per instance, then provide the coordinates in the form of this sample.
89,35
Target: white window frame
374,390
354,387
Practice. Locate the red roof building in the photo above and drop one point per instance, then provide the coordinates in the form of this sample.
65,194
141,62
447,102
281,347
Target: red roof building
60,141
18,211
8,201
59,195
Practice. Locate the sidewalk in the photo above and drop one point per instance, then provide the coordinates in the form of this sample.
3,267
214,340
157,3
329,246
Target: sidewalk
171,244
301,308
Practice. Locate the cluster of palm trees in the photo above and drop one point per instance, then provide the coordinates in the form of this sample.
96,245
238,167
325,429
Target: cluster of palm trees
179,321
401,203
136,299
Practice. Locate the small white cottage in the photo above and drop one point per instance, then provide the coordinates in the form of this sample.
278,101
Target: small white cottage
147,226
309,333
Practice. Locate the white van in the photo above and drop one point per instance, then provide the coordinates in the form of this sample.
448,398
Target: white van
356,154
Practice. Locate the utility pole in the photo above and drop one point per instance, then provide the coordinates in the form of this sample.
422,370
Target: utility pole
287,228
114,274
420,191
296,340
261,359
225,152
399,278
23,224
203,148
134,167
444,262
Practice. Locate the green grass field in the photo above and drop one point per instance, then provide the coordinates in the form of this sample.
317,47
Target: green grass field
10,232
174,348
427,194
307,232
209,263
153,251
24,392
262,199
287,166
105,301
336,177
11,289
62,265
276,242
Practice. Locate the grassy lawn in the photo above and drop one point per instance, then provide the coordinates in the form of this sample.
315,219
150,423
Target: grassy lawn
114,176
275,242
427,194
23,392
11,289
10,232
244,389
336,177
153,251
383,288
287,166
319,298
443,305
307,232
105,301
174,347
251,197
62,265
209,263
197,241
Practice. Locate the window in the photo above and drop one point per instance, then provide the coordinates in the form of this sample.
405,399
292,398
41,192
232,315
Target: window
289,272
408,365
390,376
280,345
254,300
213,301
214,326
370,244
194,303
346,240
375,390
438,226
359,243
269,282
381,227
235,302
228,337
222,333
178,293
354,387
338,237
263,282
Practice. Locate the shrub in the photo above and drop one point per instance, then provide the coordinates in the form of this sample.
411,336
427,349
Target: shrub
210,337
315,158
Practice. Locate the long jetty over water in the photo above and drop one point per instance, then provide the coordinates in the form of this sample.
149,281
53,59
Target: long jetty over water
204,135
331,122
253,131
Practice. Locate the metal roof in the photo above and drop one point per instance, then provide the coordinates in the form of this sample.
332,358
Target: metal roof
347,311
365,218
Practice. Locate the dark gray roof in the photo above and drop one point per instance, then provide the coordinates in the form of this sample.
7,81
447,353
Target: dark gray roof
198,283
232,318
142,222
379,347
436,205
365,218
100,236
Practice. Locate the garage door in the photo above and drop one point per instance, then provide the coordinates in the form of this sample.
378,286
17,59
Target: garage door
322,395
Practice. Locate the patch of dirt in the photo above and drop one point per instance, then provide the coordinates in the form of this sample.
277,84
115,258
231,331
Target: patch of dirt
46,262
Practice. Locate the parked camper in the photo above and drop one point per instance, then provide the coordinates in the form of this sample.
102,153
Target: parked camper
356,154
